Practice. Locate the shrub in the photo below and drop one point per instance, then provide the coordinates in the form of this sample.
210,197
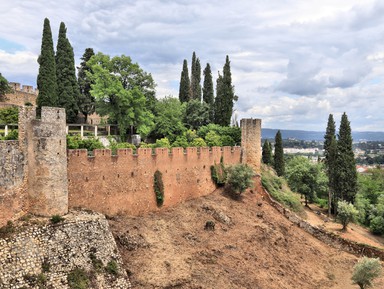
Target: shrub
114,146
198,142
158,186
9,115
219,173
239,178
7,230
346,213
56,219
162,143
365,271
213,139
78,279
91,143
377,225
112,267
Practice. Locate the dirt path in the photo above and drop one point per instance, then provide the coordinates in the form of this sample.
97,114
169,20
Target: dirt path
316,216
252,246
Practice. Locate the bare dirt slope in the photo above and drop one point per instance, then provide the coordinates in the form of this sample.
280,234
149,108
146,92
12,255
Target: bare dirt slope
252,246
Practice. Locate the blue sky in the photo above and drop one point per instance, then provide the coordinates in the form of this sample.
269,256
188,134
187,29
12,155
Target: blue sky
293,62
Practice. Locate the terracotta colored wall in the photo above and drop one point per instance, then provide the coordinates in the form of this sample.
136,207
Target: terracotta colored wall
124,183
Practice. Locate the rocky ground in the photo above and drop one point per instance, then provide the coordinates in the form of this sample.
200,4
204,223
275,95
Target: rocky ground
251,246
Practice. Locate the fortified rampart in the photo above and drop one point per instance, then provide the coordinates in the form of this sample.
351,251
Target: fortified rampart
19,96
124,183
38,175
33,173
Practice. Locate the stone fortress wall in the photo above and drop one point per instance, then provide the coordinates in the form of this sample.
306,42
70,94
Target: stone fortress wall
38,175
20,95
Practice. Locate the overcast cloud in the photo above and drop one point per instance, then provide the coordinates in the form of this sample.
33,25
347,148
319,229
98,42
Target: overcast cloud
293,62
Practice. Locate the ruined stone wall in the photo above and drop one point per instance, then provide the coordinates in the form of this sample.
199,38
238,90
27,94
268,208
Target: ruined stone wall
251,143
124,183
43,256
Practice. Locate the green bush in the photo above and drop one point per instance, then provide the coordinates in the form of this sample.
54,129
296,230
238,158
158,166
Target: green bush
213,139
365,271
219,173
112,267
239,178
75,142
9,115
162,143
12,135
158,186
198,142
56,219
377,225
114,146
7,230
78,279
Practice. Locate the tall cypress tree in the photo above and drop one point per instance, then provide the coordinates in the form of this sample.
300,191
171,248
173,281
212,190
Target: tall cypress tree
195,92
184,88
267,153
225,97
46,79
346,175
67,86
193,80
278,157
330,152
86,102
208,95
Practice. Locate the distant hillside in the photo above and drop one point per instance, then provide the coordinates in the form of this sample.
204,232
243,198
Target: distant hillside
319,135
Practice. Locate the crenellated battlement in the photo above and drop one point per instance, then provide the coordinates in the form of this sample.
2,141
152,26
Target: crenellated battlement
17,87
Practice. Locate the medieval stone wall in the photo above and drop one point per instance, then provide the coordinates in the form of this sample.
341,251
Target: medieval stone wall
251,143
19,96
43,256
124,183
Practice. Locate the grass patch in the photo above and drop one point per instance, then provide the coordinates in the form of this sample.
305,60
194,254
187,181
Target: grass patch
78,279
56,219
112,267
277,187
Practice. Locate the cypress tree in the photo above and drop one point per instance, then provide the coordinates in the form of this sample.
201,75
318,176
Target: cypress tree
346,175
267,153
67,86
330,152
196,78
208,96
86,102
184,83
225,97
46,79
278,157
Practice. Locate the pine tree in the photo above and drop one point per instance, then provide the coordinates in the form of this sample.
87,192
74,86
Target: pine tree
46,79
67,86
208,95
86,102
278,159
225,96
267,153
330,152
346,175
184,83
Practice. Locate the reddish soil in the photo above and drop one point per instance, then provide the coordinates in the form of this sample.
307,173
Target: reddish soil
251,246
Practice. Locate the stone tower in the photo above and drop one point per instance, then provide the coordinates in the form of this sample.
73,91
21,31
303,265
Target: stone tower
251,143
43,142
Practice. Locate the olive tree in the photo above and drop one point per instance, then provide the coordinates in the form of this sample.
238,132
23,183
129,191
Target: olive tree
365,271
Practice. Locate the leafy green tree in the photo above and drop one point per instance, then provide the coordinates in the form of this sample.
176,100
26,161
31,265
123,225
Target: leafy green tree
169,115
233,132
346,213
181,141
67,86
278,157
4,86
213,139
267,153
46,79
302,176
196,114
195,78
119,88
365,271
225,96
162,143
9,115
330,152
86,102
208,94
346,175
198,142
239,178
184,88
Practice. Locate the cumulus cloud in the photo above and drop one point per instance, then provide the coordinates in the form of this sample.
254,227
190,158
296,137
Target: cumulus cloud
292,63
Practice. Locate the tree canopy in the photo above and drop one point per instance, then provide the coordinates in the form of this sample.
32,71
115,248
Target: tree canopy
278,157
120,88
184,83
4,86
